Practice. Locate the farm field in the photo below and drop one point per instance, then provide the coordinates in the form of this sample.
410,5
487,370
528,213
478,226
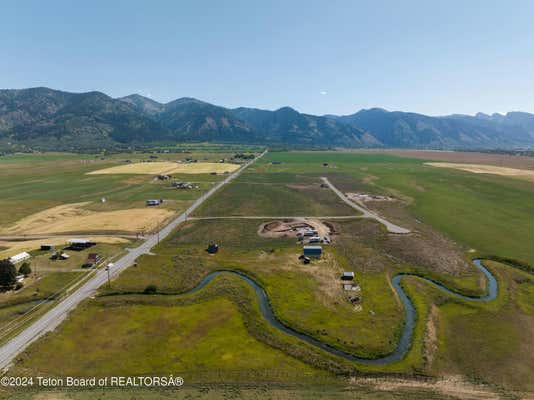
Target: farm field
454,216
167,167
487,169
53,194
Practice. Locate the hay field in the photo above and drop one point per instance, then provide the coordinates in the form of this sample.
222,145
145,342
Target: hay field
15,247
74,218
487,169
167,167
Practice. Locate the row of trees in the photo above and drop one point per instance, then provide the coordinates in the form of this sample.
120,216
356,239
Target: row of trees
8,273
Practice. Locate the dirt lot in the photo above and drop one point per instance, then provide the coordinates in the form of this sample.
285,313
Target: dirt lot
167,167
74,218
487,169
290,227
365,197
15,247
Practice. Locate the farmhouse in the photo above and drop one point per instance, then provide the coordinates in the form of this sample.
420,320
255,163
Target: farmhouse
80,244
313,251
19,257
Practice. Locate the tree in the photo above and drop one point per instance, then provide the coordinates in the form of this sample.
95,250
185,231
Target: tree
151,289
8,273
25,269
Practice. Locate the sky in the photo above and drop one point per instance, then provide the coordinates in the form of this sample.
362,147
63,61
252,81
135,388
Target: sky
319,57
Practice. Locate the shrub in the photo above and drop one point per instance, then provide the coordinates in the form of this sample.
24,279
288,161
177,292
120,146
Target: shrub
150,289
25,269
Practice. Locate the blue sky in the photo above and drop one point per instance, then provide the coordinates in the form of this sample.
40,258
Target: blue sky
433,57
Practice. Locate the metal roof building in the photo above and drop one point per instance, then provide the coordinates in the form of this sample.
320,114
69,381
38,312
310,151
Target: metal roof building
19,257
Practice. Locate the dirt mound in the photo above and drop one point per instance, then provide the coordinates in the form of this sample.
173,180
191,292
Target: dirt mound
290,227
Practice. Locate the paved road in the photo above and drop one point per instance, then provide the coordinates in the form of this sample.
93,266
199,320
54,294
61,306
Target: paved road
65,235
55,316
277,217
392,228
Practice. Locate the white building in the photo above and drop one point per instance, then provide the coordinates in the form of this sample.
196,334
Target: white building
19,257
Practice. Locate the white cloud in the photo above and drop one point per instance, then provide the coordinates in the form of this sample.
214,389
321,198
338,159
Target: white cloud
323,92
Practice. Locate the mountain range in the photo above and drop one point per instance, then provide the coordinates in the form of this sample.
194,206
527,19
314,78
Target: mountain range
42,118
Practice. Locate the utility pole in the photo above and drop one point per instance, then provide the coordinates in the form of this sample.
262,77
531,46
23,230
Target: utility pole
108,267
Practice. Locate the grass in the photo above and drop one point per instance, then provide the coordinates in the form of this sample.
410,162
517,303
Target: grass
485,342
191,340
249,198
488,213
237,392
31,184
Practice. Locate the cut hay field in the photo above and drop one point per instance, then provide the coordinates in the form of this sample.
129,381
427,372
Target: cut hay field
166,167
487,169
74,217
11,247
51,194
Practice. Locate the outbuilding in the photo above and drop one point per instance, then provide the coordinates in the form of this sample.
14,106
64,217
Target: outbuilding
153,202
313,251
80,244
47,247
19,257
347,276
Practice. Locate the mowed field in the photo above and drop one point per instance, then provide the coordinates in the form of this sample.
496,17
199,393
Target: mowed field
455,215
166,167
487,169
55,194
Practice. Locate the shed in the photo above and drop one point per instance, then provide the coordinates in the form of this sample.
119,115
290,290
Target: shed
313,251
80,244
19,257
47,247
153,202
347,276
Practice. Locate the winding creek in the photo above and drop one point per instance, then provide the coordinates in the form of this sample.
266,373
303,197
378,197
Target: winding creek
409,313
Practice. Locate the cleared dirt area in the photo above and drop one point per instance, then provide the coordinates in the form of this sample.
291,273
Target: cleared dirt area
167,167
75,218
290,227
14,247
487,169
365,197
